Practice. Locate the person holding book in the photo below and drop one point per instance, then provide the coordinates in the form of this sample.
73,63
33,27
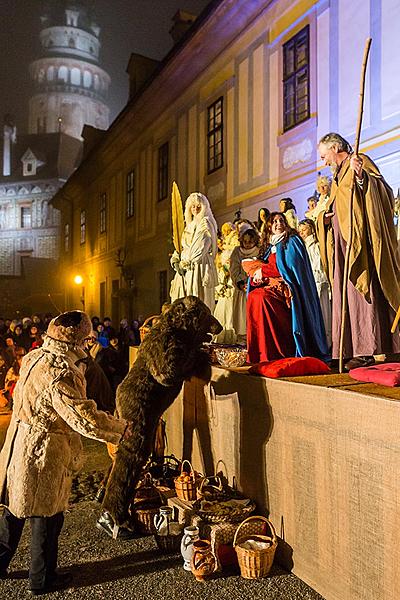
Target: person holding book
283,311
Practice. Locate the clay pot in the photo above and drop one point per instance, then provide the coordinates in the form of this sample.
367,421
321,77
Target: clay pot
203,561
190,535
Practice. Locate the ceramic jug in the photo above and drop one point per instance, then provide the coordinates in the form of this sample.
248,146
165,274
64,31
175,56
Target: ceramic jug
164,523
190,535
203,560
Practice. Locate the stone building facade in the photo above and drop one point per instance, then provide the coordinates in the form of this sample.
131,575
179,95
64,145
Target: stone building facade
234,111
70,90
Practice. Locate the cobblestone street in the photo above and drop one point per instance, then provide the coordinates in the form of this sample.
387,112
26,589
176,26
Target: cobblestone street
134,569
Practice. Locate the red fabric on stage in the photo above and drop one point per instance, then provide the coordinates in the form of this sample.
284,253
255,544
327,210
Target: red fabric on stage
269,318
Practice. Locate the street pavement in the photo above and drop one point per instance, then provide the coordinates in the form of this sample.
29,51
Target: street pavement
135,569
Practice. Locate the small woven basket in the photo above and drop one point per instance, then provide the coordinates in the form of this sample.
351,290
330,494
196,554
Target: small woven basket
186,490
168,543
143,519
258,562
146,327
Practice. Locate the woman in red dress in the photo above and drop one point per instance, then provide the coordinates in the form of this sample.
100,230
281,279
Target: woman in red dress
283,311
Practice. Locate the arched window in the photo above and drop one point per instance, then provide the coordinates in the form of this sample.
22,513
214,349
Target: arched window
71,42
50,74
87,79
75,76
63,74
96,82
41,75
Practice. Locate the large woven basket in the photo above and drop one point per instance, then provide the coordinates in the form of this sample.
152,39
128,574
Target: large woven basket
187,490
146,327
235,515
255,563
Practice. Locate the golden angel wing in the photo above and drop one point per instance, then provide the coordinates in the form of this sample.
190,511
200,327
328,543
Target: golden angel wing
178,223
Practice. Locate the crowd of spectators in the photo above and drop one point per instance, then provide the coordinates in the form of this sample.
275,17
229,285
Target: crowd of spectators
107,346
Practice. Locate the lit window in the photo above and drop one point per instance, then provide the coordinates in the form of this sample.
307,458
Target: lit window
215,154
296,83
66,237
103,212
83,226
26,217
163,172
130,194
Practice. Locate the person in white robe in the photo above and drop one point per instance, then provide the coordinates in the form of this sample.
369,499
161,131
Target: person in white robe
225,289
307,233
248,248
196,274
324,192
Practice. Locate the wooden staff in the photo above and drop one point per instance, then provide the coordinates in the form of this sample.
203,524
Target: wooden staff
353,179
396,321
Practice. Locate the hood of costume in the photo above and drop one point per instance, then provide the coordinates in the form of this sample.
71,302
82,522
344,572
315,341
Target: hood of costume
43,448
374,234
308,327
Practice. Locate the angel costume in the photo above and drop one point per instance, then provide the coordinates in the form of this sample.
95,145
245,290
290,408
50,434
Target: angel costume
196,274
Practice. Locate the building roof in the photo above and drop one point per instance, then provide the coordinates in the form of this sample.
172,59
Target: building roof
57,154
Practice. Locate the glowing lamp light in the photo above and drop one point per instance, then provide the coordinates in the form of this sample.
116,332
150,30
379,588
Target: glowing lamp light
78,279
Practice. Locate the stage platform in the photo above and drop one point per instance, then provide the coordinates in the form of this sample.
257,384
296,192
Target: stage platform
321,455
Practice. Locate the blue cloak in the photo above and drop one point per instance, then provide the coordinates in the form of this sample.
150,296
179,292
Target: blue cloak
307,323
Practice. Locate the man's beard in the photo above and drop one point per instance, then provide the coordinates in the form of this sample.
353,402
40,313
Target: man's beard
334,168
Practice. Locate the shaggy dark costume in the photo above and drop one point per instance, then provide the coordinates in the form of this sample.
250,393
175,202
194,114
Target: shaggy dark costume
170,354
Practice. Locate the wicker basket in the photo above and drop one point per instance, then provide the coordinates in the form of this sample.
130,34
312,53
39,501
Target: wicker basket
186,490
169,543
258,562
209,491
233,516
146,327
143,519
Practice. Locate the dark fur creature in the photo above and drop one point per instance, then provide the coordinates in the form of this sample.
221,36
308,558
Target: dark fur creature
170,354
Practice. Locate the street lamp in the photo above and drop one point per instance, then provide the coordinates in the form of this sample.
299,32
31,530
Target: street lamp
78,280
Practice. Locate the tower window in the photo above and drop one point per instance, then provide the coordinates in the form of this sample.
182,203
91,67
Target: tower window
71,43
87,79
63,74
72,17
26,217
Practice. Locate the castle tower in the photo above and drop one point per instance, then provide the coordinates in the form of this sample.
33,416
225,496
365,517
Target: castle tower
70,88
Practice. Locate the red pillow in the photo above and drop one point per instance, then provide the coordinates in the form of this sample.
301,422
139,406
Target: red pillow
290,367
385,374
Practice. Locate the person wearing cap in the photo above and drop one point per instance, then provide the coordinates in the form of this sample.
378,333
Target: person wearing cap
43,448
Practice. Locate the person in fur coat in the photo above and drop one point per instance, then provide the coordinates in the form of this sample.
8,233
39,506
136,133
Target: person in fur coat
43,448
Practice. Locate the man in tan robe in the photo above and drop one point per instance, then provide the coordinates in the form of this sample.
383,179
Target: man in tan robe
373,291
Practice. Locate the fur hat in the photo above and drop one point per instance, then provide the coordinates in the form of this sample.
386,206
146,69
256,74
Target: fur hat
72,327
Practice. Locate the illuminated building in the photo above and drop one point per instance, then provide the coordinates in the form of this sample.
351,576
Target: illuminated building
70,89
235,111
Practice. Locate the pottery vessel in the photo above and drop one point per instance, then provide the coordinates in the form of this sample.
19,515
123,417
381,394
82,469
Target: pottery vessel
190,535
203,561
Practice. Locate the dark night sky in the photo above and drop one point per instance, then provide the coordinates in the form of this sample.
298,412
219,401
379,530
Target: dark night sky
127,26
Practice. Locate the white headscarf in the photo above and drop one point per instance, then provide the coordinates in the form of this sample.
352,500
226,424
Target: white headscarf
205,214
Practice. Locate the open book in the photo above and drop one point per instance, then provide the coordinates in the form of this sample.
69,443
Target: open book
251,265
